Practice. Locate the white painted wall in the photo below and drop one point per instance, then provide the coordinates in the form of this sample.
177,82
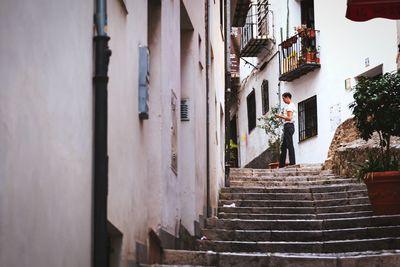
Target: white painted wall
344,47
134,161
46,119
216,104
144,192
46,133
253,143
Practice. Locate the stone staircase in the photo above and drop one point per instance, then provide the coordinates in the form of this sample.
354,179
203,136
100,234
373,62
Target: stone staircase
297,216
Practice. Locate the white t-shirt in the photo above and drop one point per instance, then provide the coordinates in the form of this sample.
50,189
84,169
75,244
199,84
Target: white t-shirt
290,107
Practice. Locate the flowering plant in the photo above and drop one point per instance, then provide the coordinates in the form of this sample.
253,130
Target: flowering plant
273,128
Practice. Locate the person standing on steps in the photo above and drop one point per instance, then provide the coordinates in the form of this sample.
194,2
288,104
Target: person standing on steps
288,130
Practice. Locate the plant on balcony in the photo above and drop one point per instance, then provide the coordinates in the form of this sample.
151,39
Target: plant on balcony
273,128
301,30
376,108
310,55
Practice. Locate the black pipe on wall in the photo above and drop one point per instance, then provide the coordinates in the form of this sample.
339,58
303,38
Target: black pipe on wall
100,187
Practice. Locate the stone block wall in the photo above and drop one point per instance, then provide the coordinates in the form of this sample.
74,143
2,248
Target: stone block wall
348,149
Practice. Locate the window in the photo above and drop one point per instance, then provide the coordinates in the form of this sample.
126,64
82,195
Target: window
251,110
308,126
307,13
265,96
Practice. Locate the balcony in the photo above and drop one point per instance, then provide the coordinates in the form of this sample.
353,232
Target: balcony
257,32
299,54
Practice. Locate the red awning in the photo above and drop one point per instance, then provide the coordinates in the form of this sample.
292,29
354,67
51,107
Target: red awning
362,10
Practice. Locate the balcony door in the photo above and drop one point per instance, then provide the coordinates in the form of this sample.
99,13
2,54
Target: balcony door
307,13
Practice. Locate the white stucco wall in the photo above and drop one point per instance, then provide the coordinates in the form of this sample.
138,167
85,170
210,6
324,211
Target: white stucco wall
344,47
46,133
216,104
46,121
144,192
252,143
193,133
134,158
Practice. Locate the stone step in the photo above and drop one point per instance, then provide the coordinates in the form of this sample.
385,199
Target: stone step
301,235
190,257
297,210
171,265
337,246
265,183
377,258
338,195
280,216
314,189
282,171
284,175
295,203
287,178
325,224
293,196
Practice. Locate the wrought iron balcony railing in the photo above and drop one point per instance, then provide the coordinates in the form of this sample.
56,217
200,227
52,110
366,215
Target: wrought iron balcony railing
257,32
299,54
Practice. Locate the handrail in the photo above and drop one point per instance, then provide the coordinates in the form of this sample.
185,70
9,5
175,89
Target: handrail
302,48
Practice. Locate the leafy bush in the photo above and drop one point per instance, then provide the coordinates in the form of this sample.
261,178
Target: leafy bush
376,108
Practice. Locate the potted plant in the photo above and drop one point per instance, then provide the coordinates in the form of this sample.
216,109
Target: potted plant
273,128
376,108
310,55
301,30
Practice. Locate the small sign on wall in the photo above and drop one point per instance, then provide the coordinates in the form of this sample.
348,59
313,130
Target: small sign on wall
347,84
367,62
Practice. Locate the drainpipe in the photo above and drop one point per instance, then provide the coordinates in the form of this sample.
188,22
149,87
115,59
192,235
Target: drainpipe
100,184
208,63
228,87
287,20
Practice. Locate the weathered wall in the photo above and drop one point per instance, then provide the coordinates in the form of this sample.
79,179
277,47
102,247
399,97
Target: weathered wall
193,134
46,133
216,104
133,205
145,192
46,119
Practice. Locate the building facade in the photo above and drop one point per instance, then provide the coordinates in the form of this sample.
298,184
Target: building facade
164,172
307,48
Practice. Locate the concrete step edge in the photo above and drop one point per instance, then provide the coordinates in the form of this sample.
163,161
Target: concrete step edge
299,214
301,201
302,243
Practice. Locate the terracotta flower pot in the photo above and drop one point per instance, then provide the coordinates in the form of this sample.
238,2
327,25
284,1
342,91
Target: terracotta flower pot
384,192
310,57
274,165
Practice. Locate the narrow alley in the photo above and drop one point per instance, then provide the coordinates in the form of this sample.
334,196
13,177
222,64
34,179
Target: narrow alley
208,133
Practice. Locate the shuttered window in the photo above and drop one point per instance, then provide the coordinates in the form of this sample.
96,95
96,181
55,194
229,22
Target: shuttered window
308,121
265,96
251,110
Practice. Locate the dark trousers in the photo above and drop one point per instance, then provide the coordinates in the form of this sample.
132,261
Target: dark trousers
287,144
